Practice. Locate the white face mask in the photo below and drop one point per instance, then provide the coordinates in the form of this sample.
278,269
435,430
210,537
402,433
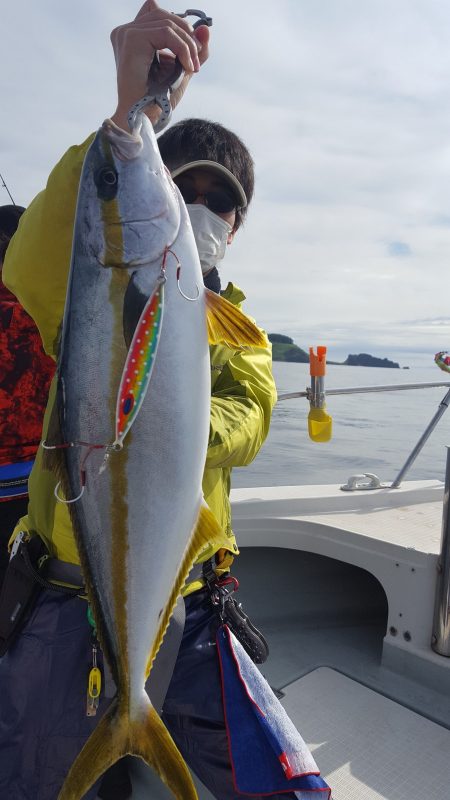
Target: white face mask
210,233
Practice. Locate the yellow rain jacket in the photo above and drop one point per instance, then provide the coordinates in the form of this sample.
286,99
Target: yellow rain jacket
243,391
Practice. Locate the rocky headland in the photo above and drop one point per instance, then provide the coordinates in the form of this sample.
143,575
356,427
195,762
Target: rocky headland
285,349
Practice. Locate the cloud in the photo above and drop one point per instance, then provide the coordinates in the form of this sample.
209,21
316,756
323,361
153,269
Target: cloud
345,108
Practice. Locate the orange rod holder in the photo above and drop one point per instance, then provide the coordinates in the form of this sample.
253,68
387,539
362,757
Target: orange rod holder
317,361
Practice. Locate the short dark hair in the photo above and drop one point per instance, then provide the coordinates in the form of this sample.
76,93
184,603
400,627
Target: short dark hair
198,139
9,221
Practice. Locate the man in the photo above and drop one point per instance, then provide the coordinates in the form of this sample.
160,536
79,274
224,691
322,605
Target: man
43,727
25,375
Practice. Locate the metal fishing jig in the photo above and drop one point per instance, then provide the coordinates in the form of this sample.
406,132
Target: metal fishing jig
140,360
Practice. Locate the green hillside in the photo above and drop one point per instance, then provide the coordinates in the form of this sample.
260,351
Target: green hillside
289,352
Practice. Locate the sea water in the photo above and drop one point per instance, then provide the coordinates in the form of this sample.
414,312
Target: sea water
371,432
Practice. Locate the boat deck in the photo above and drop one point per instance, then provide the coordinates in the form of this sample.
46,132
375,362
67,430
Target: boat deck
408,517
342,585
369,747
393,534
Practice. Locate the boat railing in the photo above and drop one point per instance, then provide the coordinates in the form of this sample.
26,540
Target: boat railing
374,482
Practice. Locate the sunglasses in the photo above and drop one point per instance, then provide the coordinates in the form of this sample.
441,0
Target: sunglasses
219,201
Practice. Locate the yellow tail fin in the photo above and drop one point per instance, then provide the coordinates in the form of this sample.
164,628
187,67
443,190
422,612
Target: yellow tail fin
226,323
116,736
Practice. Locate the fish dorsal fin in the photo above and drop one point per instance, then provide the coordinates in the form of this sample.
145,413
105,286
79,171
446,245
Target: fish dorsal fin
227,324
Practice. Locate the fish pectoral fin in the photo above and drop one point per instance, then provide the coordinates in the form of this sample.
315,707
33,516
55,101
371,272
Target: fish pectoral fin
206,531
118,735
227,324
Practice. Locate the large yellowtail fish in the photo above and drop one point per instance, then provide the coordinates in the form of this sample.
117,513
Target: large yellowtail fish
132,419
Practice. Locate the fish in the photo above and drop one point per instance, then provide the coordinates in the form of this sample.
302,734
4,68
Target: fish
128,432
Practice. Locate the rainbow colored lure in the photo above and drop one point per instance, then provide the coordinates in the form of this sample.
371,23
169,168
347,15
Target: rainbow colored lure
442,359
139,363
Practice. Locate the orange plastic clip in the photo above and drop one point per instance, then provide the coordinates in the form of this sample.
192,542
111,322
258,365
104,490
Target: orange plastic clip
317,363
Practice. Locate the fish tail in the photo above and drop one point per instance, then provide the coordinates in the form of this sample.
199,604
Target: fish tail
154,744
118,735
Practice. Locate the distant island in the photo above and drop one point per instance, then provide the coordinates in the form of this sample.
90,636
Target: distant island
364,360
284,349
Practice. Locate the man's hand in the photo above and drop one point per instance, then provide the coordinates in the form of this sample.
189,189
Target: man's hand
134,46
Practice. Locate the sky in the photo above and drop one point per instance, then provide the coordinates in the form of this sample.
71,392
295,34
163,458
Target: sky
345,107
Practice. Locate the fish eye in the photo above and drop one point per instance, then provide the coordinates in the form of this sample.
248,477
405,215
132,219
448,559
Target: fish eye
106,180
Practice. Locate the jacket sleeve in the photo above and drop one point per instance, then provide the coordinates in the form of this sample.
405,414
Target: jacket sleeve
241,407
38,258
